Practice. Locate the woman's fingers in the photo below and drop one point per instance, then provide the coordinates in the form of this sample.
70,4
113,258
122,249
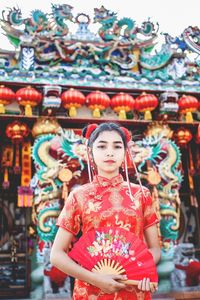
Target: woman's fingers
119,277
153,288
120,285
144,285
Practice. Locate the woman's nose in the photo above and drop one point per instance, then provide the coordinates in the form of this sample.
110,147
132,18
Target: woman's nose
109,154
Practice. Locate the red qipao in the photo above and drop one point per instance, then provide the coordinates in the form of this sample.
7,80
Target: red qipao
105,203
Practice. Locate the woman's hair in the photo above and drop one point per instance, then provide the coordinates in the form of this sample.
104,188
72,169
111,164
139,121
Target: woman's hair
104,127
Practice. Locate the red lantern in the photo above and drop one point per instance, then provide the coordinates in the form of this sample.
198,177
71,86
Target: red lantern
16,131
6,97
122,103
146,103
72,99
187,105
97,101
182,136
28,97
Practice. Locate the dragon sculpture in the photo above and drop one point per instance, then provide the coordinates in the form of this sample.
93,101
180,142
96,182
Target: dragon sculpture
189,40
49,34
59,161
121,47
158,159
46,181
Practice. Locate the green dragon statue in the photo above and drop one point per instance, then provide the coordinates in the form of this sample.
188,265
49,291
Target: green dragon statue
46,181
158,157
113,29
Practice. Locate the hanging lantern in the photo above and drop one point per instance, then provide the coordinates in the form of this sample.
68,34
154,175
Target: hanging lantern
122,103
16,131
182,136
187,105
25,193
146,103
7,155
97,101
6,97
28,97
72,99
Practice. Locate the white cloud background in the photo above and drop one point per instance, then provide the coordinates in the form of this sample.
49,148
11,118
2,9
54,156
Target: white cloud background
173,16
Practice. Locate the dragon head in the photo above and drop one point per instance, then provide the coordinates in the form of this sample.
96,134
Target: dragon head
104,16
14,16
63,11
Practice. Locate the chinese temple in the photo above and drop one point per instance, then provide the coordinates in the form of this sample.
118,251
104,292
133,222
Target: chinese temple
57,81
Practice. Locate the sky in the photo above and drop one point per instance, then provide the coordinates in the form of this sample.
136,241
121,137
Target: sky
173,16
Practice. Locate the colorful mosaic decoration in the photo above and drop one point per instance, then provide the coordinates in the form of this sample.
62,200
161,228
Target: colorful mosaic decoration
122,54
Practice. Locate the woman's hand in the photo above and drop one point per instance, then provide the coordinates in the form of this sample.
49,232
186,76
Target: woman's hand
144,285
109,283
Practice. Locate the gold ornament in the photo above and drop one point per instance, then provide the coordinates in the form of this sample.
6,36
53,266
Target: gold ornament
45,125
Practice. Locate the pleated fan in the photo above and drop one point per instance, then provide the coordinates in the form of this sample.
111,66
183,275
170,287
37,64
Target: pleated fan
109,250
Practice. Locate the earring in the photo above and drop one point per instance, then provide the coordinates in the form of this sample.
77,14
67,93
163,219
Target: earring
91,165
123,167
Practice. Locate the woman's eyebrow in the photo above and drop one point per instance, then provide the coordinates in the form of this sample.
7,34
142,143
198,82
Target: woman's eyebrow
102,142
115,142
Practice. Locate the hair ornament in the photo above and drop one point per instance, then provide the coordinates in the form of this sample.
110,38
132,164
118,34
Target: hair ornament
126,133
90,129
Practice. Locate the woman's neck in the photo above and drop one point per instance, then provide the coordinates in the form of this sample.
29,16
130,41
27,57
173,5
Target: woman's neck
107,175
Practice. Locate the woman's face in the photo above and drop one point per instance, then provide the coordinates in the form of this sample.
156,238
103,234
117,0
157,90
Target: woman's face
108,153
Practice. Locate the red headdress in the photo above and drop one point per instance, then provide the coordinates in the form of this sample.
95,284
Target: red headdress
90,129
127,134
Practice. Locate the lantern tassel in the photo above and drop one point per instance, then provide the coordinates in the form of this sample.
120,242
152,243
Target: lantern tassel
147,115
122,114
28,110
6,183
25,197
2,109
96,113
72,112
6,162
64,191
189,117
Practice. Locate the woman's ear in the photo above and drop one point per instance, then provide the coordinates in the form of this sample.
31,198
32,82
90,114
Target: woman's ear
89,150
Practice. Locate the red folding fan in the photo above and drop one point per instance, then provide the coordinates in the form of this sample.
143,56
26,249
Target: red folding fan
110,250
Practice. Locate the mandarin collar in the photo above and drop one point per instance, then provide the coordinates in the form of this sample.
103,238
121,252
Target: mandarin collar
105,182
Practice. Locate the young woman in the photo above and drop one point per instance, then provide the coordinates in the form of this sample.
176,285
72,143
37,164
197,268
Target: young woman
106,201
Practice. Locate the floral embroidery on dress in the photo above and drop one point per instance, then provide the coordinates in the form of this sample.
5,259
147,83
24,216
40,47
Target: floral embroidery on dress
104,203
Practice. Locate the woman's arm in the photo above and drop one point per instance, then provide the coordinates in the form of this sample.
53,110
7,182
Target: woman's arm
60,259
151,237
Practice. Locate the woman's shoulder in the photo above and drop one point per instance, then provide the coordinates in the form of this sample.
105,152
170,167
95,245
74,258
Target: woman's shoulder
138,190
79,189
136,186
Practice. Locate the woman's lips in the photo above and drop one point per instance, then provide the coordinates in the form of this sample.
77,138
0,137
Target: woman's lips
110,161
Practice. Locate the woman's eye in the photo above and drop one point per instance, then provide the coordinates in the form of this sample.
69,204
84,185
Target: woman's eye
101,147
118,147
